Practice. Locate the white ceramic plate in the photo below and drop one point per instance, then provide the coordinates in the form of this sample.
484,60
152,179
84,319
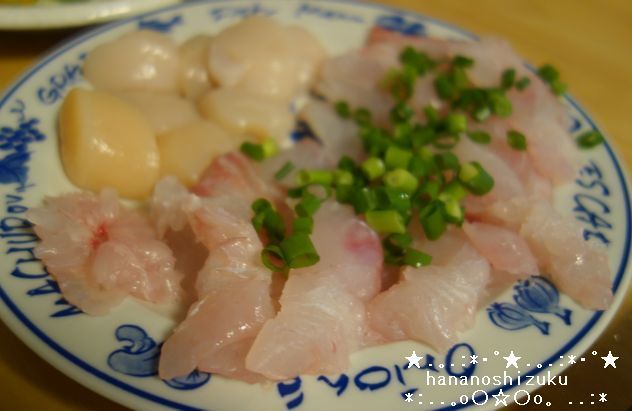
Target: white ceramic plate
58,14
115,355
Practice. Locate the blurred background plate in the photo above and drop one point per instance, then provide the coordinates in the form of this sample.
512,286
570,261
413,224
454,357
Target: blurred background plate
50,14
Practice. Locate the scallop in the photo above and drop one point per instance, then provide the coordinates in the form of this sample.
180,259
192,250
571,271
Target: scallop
241,112
163,111
193,76
186,151
142,60
264,57
106,142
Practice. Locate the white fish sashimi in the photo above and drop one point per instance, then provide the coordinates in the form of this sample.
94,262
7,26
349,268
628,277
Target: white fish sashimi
504,249
579,268
99,252
433,304
323,316
339,136
234,302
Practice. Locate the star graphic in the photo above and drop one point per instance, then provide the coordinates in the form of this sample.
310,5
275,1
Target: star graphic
474,359
512,360
571,359
501,398
409,397
602,397
609,359
413,360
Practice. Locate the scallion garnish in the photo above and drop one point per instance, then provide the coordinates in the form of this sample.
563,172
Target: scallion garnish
480,137
516,140
508,78
385,221
401,179
286,169
551,76
474,177
373,168
589,139
260,152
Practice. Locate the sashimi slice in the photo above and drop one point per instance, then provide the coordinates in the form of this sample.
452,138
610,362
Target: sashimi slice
99,252
579,268
433,304
323,317
503,248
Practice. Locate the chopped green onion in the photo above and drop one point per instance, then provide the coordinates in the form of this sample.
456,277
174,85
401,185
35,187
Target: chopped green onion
480,137
500,104
390,198
420,136
260,205
432,220
551,76
430,190
523,83
400,241
272,258
456,123
322,177
308,205
260,152
342,108
401,179
418,60
462,61
444,87
432,116
396,157
447,161
298,251
507,79
362,200
453,210
402,131
455,190
517,140
303,225
373,168
589,139
286,169
362,116
419,167
347,163
482,113
385,221
415,258
474,177
401,112
343,177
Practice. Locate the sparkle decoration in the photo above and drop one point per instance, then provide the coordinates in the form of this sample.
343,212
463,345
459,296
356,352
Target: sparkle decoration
512,359
409,397
501,398
413,360
609,360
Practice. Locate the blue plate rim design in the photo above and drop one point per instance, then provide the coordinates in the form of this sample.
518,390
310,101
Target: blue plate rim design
89,33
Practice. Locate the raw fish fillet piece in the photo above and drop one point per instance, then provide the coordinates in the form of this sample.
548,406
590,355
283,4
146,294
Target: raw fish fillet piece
99,252
433,304
233,288
233,304
579,268
323,315
504,249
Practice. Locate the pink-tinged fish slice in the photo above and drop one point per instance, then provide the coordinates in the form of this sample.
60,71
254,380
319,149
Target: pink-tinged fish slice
579,268
433,304
233,304
323,317
503,248
233,174
99,252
